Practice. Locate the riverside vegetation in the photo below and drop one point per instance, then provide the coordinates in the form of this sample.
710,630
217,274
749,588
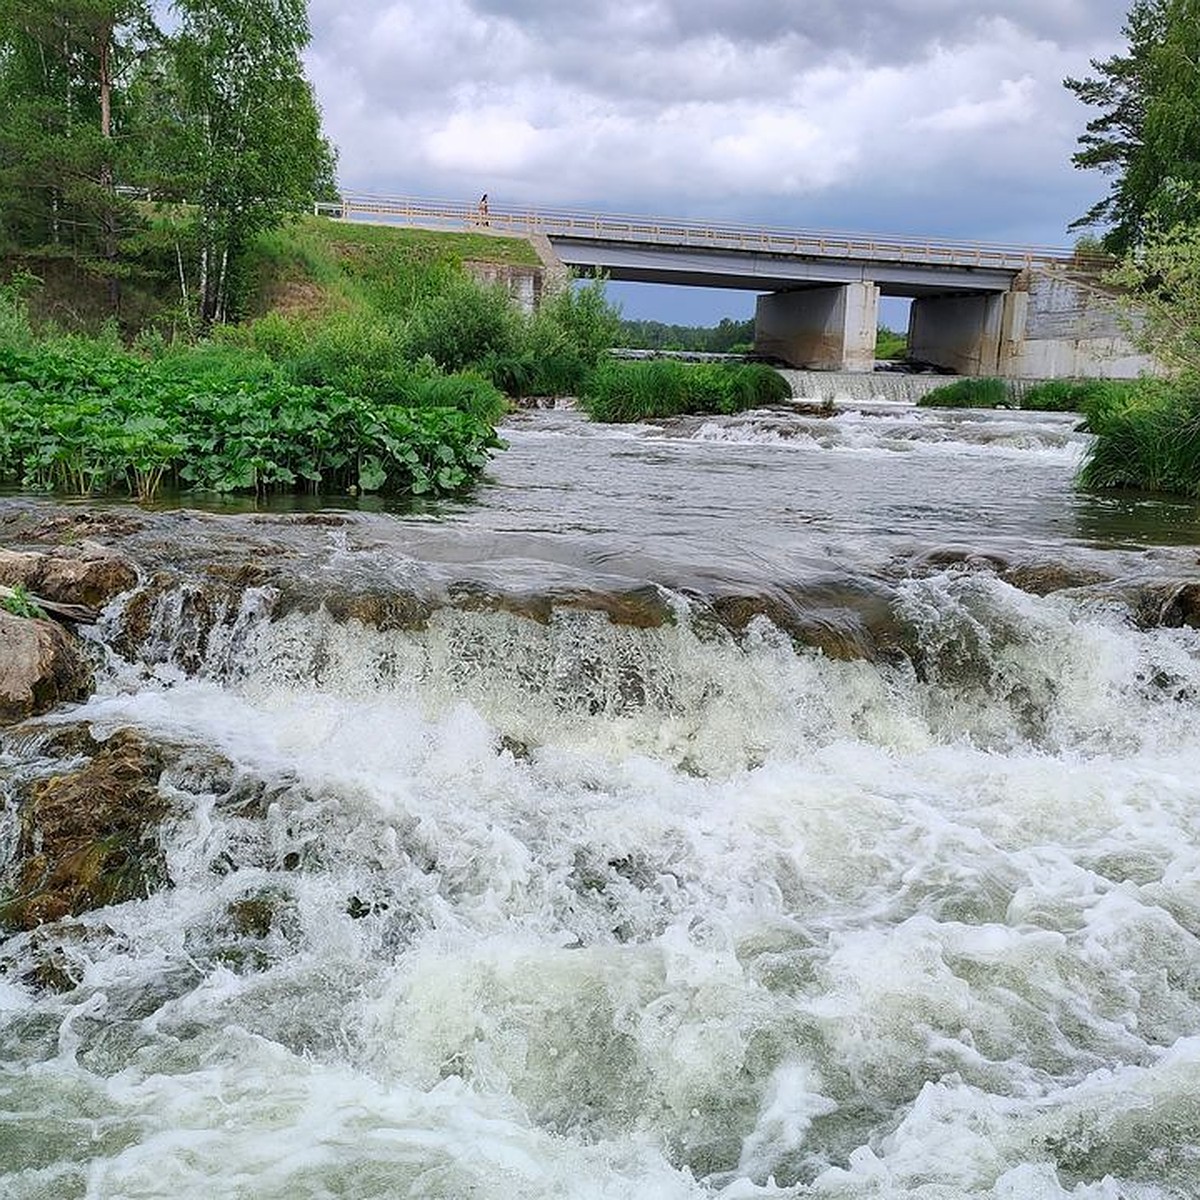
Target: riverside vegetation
369,361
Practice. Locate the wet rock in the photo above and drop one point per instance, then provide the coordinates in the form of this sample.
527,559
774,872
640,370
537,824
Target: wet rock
78,524
171,619
1171,603
86,837
967,557
644,607
842,622
88,575
41,666
1041,579
379,610
54,957
33,740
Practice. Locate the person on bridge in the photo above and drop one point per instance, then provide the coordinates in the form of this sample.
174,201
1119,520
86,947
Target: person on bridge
483,209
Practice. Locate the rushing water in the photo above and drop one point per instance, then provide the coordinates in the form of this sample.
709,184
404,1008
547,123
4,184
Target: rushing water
601,878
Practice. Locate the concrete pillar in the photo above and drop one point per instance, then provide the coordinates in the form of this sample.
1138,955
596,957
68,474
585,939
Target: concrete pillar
962,333
1013,323
821,329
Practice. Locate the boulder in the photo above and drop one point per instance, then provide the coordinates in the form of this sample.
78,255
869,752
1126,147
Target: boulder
41,665
87,575
87,836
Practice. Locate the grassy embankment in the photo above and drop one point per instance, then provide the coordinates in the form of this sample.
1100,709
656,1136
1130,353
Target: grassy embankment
1054,395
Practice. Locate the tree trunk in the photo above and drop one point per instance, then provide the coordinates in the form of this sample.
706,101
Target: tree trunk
109,217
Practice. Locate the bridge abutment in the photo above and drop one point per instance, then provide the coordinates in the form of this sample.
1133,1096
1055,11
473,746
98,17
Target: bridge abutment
822,329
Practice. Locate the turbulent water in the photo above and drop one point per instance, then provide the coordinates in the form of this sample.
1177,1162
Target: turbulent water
771,806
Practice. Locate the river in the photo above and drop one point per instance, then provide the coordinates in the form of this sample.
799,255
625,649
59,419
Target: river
779,805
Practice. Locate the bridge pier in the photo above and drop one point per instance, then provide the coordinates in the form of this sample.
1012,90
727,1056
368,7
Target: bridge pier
822,329
962,333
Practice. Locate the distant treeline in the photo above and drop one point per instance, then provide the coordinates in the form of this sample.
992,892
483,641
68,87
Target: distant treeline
728,337
736,337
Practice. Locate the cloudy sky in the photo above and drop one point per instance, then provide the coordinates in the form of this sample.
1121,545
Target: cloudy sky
934,117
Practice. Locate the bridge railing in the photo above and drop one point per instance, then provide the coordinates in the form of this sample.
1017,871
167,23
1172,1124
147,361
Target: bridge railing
583,226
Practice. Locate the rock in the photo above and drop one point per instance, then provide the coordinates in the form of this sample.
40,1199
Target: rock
89,575
41,665
85,837
1171,603
1041,579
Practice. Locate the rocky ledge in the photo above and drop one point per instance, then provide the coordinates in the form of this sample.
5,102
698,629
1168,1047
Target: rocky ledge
43,664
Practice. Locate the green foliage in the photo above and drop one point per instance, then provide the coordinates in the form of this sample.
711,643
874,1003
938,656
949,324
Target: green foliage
1147,134
635,391
67,126
578,317
462,323
1074,395
890,344
970,393
727,337
238,133
1147,437
84,418
15,329
1162,277
20,603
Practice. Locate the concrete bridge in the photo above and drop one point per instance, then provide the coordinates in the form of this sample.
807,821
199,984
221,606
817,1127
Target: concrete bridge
977,308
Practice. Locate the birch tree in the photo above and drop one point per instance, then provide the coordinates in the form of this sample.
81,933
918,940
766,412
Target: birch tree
240,131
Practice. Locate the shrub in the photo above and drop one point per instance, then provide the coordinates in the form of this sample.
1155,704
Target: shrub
461,324
970,393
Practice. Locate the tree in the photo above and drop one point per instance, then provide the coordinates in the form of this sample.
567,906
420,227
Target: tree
64,128
239,131
1163,277
1147,134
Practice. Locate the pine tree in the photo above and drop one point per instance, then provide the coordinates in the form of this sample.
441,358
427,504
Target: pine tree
1147,135
64,129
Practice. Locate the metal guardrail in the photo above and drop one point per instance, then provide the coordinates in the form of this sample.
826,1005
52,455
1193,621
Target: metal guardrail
616,227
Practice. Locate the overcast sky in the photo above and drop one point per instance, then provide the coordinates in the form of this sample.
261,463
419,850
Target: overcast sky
893,116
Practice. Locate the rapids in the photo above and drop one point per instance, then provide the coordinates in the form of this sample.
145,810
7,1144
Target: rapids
780,805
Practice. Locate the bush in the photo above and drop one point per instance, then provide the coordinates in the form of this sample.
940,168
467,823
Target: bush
636,391
970,393
460,325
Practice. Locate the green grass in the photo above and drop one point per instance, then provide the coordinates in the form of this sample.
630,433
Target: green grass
970,393
1147,437
889,344
638,391
378,268
1074,395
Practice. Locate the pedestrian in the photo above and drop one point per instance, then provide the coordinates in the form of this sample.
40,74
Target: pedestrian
483,209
